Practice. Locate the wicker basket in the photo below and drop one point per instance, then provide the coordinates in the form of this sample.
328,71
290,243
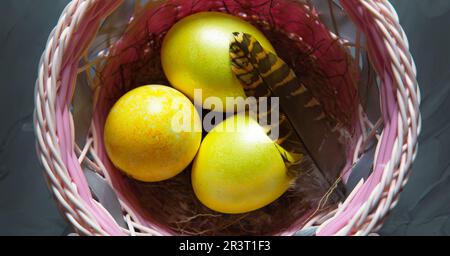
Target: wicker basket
65,152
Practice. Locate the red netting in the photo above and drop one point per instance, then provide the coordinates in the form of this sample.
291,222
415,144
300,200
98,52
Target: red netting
320,61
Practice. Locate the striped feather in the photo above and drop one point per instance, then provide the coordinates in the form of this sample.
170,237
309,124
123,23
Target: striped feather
263,73
259,72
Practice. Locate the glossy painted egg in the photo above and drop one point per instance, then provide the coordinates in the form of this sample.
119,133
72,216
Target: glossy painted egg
195,54
238,168
152,133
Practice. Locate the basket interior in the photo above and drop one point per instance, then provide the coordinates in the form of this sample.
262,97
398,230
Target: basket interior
126,55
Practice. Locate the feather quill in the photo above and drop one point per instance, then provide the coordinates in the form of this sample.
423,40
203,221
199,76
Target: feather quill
263,74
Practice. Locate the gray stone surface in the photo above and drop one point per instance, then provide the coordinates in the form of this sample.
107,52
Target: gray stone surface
26,207
424,207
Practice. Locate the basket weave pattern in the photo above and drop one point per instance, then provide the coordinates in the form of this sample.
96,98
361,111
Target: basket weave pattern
363,211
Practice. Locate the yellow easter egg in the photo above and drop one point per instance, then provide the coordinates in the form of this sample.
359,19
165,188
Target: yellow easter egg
195,55
152,133
238,168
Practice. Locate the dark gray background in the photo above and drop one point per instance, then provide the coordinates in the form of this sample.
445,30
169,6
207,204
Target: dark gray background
26,207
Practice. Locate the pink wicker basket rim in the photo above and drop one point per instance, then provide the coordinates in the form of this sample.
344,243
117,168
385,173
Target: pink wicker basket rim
363,211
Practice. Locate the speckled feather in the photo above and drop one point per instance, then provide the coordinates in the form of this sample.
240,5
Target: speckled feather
262,74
